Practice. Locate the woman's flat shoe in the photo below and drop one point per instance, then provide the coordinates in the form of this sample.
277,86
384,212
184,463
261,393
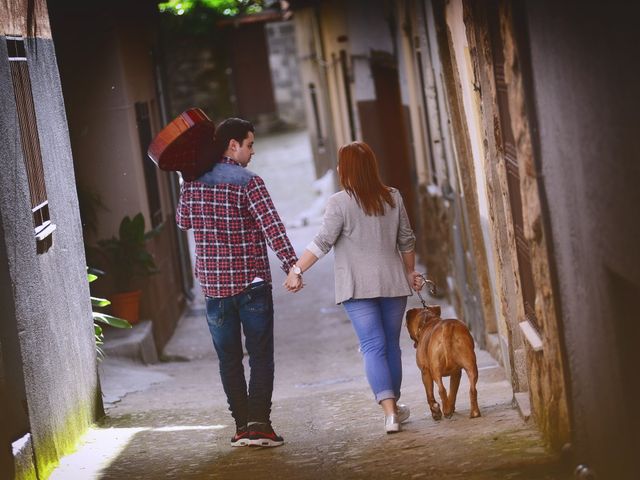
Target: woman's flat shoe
403,413
391,423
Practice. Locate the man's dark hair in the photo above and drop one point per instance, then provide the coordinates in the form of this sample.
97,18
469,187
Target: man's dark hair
230,129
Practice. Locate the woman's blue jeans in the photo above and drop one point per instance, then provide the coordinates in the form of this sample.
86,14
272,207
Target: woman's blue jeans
252,309
377,322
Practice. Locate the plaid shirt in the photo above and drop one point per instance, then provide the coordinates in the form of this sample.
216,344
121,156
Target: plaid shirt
231,213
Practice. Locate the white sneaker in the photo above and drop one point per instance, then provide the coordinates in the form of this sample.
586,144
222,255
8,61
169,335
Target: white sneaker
391,423
403,413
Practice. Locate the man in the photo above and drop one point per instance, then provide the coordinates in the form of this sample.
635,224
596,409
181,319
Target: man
232,215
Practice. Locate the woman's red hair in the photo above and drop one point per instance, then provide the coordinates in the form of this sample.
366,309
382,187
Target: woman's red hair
358,173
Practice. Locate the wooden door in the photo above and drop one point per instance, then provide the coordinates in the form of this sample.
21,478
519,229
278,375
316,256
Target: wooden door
249,56
392,137
509,152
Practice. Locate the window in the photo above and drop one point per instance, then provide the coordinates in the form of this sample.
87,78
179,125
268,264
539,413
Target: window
43,227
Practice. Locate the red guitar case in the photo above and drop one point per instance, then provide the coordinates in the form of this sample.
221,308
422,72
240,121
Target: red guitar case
185,145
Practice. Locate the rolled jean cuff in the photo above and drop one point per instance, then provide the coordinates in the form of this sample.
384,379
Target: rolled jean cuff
385,395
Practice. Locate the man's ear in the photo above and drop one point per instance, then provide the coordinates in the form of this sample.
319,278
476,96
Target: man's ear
233,144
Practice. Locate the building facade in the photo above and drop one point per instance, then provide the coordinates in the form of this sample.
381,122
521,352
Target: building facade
520,165
49,391
113,86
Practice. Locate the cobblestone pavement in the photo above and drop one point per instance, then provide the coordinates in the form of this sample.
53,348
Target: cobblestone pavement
175,423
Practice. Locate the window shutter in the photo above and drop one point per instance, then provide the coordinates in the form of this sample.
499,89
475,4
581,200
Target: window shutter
43,227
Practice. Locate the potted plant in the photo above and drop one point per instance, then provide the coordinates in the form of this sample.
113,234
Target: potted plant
127,259
102,318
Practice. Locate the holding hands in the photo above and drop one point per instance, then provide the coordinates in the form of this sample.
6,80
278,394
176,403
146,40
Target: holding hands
293,283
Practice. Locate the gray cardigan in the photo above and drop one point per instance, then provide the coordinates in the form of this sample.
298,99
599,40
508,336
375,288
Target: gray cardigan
367,248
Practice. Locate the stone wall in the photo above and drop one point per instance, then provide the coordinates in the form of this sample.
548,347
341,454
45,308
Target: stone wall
49,303
285,73
196,72
584,76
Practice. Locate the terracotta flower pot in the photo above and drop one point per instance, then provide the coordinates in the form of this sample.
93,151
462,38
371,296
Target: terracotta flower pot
126,305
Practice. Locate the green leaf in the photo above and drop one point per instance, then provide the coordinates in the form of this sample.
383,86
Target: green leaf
95,271
123,232
137,228
111,320
99,302
97,330
172,6
91,277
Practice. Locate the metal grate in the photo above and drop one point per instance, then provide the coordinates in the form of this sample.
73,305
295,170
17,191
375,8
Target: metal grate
43,228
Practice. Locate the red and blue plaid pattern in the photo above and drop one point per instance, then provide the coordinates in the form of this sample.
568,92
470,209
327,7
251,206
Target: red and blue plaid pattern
231,222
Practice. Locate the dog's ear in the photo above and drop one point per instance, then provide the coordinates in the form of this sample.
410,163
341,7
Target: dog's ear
408,317
411,314
412,321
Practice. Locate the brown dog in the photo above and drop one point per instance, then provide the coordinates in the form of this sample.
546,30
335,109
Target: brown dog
443,348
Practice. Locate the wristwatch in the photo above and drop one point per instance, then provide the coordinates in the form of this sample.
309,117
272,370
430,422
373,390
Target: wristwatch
297,270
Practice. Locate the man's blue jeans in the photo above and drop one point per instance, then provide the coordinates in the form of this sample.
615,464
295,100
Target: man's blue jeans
377,322
252,309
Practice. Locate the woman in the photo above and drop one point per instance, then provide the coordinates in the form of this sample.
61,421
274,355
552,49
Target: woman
368,226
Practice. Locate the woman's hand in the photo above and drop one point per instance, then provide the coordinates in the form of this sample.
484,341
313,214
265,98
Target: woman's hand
293,283
415,280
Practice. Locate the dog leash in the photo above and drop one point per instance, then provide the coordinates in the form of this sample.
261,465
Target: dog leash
432,289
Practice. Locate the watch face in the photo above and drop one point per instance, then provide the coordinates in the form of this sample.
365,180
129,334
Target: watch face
297,270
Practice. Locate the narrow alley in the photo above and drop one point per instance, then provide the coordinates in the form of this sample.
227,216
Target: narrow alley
170,419
509,127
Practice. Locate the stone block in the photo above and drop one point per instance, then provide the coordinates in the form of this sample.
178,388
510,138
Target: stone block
136,343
